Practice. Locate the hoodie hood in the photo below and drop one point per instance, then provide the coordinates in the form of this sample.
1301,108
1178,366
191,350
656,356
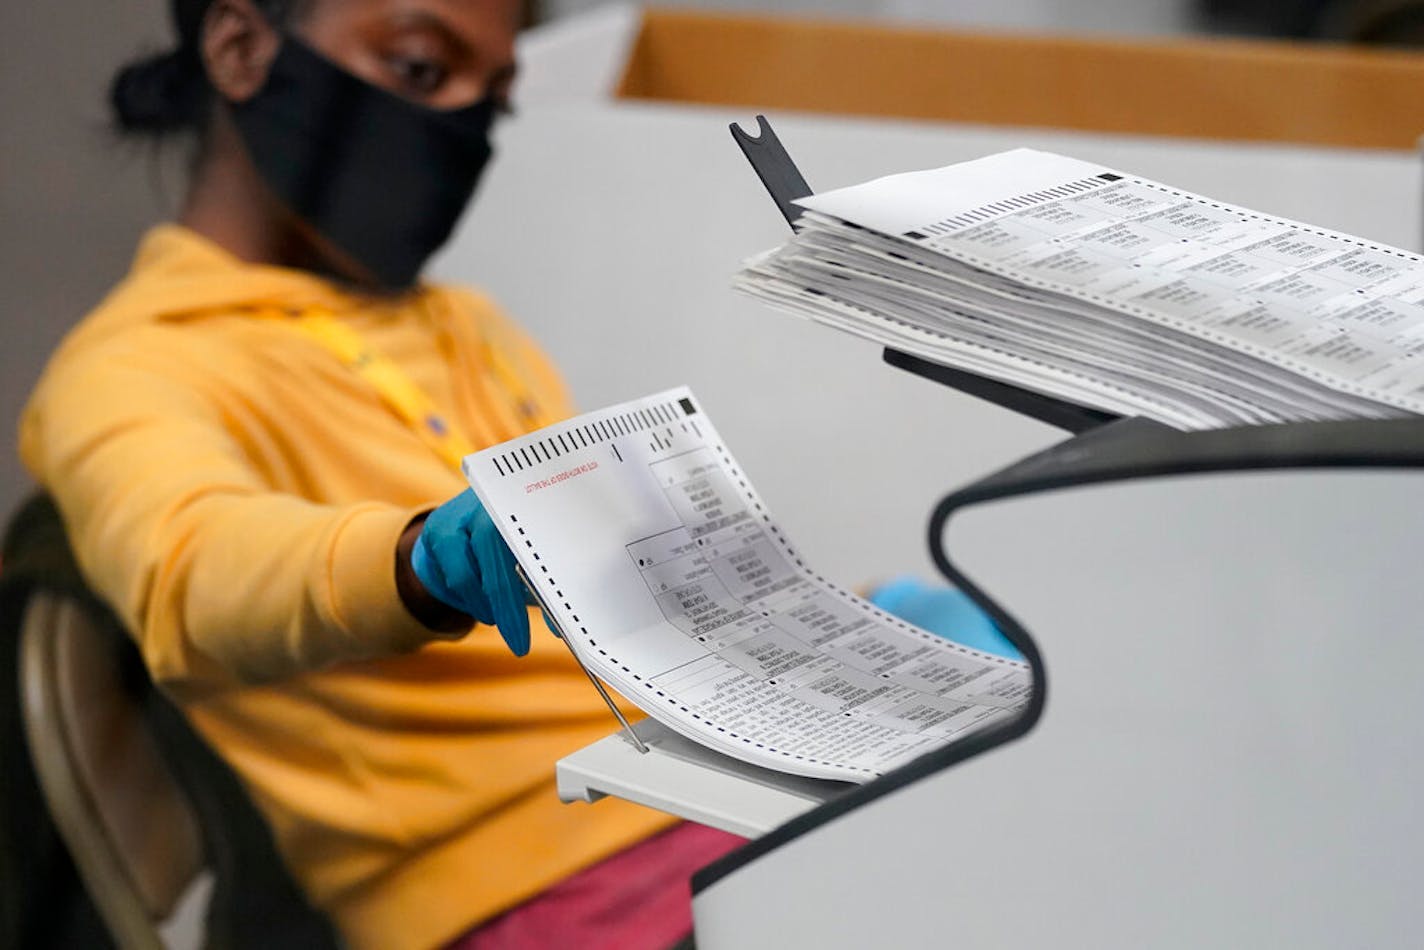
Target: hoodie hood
178,275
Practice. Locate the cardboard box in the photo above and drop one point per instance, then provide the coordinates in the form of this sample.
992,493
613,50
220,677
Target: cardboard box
1315,94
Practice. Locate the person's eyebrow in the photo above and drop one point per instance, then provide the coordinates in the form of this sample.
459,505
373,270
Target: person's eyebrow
425,20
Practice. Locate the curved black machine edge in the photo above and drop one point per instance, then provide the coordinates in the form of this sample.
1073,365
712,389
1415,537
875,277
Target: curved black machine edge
1104,448
1124,450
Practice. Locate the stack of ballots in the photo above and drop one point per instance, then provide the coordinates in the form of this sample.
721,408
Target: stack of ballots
1110,291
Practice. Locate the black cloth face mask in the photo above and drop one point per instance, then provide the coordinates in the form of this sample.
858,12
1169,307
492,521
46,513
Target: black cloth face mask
381,178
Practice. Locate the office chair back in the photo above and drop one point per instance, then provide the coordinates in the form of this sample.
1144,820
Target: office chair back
129,826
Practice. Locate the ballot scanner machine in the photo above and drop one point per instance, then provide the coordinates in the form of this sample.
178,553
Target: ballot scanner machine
1225,740
1221,748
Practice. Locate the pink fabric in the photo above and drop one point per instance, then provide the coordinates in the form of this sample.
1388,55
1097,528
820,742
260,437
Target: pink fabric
639,899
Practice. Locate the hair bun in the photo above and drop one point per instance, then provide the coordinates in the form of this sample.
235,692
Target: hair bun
159,94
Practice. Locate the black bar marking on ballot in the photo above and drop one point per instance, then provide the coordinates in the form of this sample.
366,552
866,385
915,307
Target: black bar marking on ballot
687,407
498,467
618,454
1109,176
565,443
524,452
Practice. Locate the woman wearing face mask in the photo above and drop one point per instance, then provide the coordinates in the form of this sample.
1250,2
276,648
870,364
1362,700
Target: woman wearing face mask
254,443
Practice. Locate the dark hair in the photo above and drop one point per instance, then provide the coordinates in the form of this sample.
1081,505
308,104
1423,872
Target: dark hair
169,92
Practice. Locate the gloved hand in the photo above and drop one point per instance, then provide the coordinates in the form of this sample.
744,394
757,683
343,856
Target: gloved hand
465,564
944,612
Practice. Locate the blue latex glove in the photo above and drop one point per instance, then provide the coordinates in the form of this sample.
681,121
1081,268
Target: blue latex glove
465,564
944,612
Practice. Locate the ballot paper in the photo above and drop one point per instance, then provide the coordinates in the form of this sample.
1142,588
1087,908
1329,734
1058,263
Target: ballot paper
1110,291
672,582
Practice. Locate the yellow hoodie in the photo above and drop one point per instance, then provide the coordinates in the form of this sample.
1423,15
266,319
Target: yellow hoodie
236,494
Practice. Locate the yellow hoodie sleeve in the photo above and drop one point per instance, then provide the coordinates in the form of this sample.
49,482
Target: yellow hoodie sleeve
219,578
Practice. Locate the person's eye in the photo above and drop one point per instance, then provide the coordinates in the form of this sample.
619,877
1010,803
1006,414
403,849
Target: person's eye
417,77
